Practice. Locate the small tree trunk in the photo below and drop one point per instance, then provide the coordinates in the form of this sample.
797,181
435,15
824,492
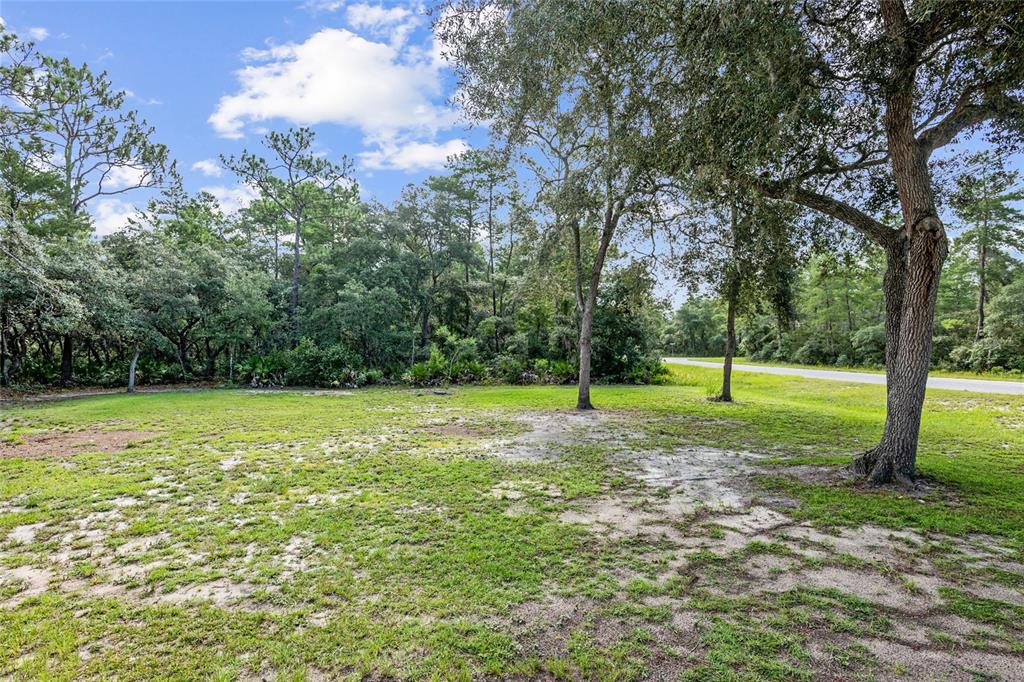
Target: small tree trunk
982,292
4,376
131,371
611,221
181,363
730,346
66,359
586,336
293,310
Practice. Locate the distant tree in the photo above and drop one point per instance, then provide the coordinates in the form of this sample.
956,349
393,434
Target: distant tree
489,179
984,200
296,179
72,124
695,328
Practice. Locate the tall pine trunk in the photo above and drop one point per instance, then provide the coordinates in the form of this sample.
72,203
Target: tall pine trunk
982,289
293,309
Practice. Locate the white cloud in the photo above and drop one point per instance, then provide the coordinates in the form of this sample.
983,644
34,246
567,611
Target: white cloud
365,15
38,33
323,5
231,199
208,167
335,76
412,156
393,23
111,215
391,92
120,177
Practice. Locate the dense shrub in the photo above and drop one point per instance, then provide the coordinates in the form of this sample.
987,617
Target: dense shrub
988,354
869,345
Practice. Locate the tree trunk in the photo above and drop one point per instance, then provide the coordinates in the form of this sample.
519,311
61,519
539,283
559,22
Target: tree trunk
66,358
131,371
894,460
293,310
611,221
5,378
211,360
181,363
982,290
730,346
586,340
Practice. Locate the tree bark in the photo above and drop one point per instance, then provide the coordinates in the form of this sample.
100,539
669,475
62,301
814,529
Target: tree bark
131,371
293,310
5,378
66,360
982,288
586,336
611,220
730,346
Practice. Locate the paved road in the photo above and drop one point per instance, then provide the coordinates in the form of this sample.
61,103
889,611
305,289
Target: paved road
972,385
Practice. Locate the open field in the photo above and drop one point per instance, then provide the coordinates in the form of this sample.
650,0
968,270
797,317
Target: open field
491,532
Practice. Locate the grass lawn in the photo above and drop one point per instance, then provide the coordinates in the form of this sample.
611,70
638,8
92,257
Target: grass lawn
489,532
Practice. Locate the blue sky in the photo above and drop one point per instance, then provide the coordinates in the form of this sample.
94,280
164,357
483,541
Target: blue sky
212,77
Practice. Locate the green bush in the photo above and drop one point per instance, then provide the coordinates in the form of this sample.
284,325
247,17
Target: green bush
988,354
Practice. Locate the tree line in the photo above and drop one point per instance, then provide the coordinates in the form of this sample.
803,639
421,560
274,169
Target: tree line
307,285
747,143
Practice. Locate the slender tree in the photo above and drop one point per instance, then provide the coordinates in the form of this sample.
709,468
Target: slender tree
568,71
295,179
984,201
744,248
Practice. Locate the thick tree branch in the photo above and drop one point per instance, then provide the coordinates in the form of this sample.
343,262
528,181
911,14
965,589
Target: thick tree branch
966,115
840,210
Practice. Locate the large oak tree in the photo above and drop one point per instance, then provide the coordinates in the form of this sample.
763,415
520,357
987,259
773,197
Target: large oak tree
843,107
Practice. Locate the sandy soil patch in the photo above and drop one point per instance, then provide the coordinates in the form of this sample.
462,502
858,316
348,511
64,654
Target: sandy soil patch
460,430
63,444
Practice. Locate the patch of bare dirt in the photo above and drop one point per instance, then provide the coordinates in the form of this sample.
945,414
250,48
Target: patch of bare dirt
222,593
63,444
905,662
543,628
549,434
32,580
460,430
